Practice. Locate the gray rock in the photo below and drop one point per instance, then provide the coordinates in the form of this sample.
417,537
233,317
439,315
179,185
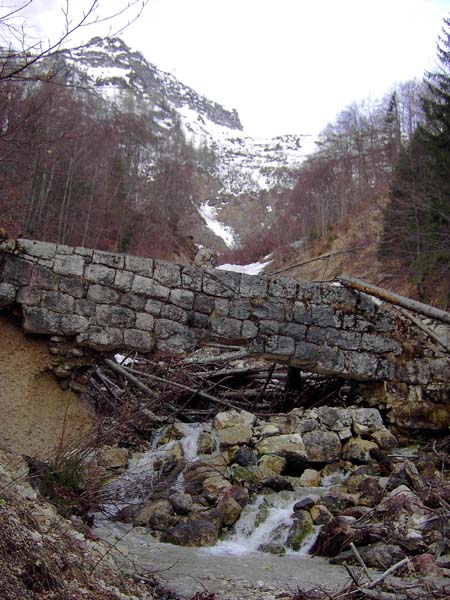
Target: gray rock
322,446
100,274
7,294
41,320
366,420
206,257
69,265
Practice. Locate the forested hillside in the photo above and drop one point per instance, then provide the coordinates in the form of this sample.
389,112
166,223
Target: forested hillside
376,186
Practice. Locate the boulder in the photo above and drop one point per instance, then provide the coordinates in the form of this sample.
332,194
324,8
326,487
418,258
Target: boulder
244,456
385,439
237,434
322,446
181,503
335,419
156,513
205,443
282,445
310,478
366,420
197,532
229,510
304,504
212,486
277,483
359,450
271,464
378,555
300,529
233,418
320,514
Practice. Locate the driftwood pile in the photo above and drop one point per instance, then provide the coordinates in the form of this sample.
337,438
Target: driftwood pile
151,390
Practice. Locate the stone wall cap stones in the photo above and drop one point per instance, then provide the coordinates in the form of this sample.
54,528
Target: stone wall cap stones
70,264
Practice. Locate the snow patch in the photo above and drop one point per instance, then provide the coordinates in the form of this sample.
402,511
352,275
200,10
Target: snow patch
209,214
251,269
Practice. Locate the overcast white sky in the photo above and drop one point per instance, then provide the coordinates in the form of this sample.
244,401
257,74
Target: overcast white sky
287,66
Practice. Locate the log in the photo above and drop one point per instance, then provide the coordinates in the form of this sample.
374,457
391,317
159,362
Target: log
131,378
393,298
430,333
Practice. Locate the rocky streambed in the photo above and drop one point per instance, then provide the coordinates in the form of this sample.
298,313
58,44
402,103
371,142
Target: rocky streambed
250,500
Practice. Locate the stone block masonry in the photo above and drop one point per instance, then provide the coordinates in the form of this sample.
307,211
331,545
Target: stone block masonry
107,302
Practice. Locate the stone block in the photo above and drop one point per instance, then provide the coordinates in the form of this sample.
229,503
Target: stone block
16,271
88,252
167,273
269,328
174,313
44,278
335,293
139,265
302,314
133,301
282,287
360,365
28,295
199,320
173,337
57,301
192,278
249,330
141,341
204,304
101,338
37,249
145,321
293,330
63,249
114,316
102,295
68,264
221,283
153,307
73,324
324,316
440,369
280,345
144,285
309,292
304,351
124,280
240,309
268,309
109,259
368,305
226,327
331,360
182,298
253,286
221,307
100,274
41,320
347,340
379,344
316,335
72,286
7,294
85,308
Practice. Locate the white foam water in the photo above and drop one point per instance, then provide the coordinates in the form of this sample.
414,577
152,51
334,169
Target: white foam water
275,513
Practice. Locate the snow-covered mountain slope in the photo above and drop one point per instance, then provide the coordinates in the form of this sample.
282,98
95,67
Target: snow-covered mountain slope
238,167
243,164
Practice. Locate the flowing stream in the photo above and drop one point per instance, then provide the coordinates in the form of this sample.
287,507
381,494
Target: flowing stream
234,567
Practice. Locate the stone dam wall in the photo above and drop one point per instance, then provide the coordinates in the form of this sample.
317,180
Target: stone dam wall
106,301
